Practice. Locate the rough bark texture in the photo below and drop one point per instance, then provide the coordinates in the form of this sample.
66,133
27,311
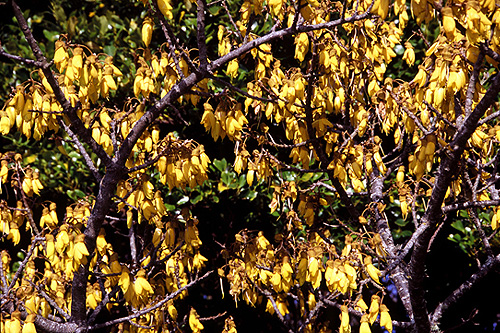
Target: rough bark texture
433,215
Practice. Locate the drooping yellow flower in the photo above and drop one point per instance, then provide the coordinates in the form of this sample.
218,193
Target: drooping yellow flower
374,309
409,55
385,318
345,327
373,271
80,251
194,321
147,31
364,327
301,46
165,8
141,285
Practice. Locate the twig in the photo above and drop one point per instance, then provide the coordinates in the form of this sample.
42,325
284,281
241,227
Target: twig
50,301
25,200
273,302
213,317
469,95
20,59
439,114
411,115
237,31
281,145
133,247
238,90
88,160
25,261
475,278
151,308
488,118
470,204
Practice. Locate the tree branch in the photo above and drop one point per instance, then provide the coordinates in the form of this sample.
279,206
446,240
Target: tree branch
455,296
201,39
86,157
397,273
25,261
433,214
151,308
18,58
470,204
70,111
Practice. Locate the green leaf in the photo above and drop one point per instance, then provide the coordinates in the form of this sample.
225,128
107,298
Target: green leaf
250,195
75,194
197,199
242,180
221,165
401,222
458,225
110,50
227,178
214,10
169,207
52,36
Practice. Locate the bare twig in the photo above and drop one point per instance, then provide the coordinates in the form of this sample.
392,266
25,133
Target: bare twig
88,160
25,261
19,59
470,204
151,308
50,301
455,296
472,85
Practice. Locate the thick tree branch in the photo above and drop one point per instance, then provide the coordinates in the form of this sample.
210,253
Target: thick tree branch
455,296
114,173
397,273
433,214
51,326
201,39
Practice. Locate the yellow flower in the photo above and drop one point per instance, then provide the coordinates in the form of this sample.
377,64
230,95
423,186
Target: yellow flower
147,31
385,318
373,272
194,322
409,55
301,46
165,8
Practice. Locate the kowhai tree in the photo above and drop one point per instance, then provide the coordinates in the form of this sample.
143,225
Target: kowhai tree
370,126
